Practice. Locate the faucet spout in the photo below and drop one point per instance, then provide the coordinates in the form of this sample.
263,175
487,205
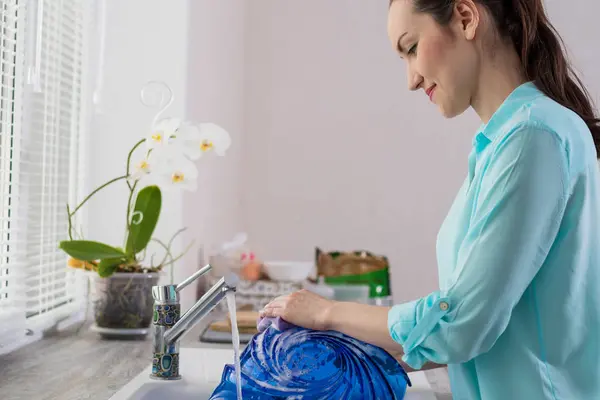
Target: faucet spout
201,309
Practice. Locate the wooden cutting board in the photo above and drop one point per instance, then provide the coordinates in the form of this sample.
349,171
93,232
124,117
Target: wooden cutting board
246,321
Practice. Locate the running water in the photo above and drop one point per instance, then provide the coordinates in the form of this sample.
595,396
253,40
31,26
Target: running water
235,339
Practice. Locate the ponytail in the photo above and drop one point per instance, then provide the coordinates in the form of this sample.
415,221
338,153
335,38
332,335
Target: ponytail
540,49
544,61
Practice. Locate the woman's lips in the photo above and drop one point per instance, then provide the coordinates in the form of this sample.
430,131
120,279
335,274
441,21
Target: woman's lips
430,92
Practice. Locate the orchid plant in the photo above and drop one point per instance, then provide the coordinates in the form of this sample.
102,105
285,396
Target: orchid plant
168,163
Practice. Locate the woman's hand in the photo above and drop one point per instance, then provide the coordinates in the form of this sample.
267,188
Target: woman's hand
311,311
302,308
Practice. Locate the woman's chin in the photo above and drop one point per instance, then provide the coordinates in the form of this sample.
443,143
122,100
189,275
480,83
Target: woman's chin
450,112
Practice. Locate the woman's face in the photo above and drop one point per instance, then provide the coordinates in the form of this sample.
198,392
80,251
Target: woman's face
440,60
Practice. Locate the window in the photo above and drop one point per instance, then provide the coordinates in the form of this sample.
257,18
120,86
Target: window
43,102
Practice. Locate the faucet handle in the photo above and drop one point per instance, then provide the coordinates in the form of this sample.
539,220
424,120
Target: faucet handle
169,294
193,277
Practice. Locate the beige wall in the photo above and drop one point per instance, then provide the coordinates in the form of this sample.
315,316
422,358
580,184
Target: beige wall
342,155
215,76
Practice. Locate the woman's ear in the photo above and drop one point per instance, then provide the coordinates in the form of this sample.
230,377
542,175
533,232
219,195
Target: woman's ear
467,17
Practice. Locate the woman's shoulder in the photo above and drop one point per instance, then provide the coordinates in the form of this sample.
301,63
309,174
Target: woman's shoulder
545,115
546,112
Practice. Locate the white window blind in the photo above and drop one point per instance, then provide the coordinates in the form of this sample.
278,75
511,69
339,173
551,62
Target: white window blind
42,167
12,317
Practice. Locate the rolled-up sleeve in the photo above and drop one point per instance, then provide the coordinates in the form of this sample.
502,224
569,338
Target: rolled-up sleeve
518,209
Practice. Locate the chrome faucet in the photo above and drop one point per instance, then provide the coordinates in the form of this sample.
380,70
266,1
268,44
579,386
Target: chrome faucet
169,327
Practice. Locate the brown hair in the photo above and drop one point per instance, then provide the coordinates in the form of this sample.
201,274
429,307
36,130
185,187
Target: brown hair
540,49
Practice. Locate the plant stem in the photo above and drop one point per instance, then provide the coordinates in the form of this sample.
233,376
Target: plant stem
171,243
96,191
172,262
131,192
71,214
168,251
170,255
70,223
129,159
129,201
181,255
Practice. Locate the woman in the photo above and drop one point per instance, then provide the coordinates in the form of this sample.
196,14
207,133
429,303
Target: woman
517,313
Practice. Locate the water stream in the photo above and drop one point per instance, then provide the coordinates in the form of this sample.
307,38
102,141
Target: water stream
235,339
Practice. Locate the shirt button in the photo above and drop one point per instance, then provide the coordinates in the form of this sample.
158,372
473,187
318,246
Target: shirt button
444,306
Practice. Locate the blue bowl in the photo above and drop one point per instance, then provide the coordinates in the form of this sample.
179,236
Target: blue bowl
305,364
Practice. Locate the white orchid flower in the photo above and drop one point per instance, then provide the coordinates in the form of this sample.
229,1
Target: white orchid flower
162,133
153,161
213,137
148,164
141,170
197,140
171,147
176,173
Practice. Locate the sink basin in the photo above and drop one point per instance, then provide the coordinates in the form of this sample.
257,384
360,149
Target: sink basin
201,370
160,390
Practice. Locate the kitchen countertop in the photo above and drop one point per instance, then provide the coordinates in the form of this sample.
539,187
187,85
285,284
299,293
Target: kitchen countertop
73,365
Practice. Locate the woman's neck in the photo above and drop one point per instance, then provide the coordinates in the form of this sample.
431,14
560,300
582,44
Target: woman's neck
499,77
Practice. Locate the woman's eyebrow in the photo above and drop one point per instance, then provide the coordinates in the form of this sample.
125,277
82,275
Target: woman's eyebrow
398,45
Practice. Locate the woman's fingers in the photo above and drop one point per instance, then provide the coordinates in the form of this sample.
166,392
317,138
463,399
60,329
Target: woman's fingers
274,308
272,312
301,308
277,302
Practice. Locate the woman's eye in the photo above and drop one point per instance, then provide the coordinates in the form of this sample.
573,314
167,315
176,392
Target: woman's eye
412,50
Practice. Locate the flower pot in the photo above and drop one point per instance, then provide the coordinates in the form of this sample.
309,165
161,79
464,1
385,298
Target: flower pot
123,303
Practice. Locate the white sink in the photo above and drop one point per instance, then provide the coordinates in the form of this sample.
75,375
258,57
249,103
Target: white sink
201,370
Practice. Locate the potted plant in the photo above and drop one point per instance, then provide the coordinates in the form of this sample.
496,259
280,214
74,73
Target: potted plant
122,276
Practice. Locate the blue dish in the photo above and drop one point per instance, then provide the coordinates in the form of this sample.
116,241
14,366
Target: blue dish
306,364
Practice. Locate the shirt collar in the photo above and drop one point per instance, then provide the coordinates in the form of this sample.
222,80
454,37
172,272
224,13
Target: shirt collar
521,95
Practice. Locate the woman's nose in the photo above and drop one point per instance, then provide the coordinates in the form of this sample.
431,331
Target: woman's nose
414,79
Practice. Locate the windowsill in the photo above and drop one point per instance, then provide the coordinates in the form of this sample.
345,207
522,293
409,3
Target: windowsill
76,363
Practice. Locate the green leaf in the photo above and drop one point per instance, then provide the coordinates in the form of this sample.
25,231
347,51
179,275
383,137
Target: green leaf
86,250
147,208
108,266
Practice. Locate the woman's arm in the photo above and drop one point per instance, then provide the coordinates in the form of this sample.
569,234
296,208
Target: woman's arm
363,322
368,324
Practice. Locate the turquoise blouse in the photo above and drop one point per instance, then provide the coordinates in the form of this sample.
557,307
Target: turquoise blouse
517,315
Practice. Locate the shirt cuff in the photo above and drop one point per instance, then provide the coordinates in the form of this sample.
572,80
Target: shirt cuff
410,323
